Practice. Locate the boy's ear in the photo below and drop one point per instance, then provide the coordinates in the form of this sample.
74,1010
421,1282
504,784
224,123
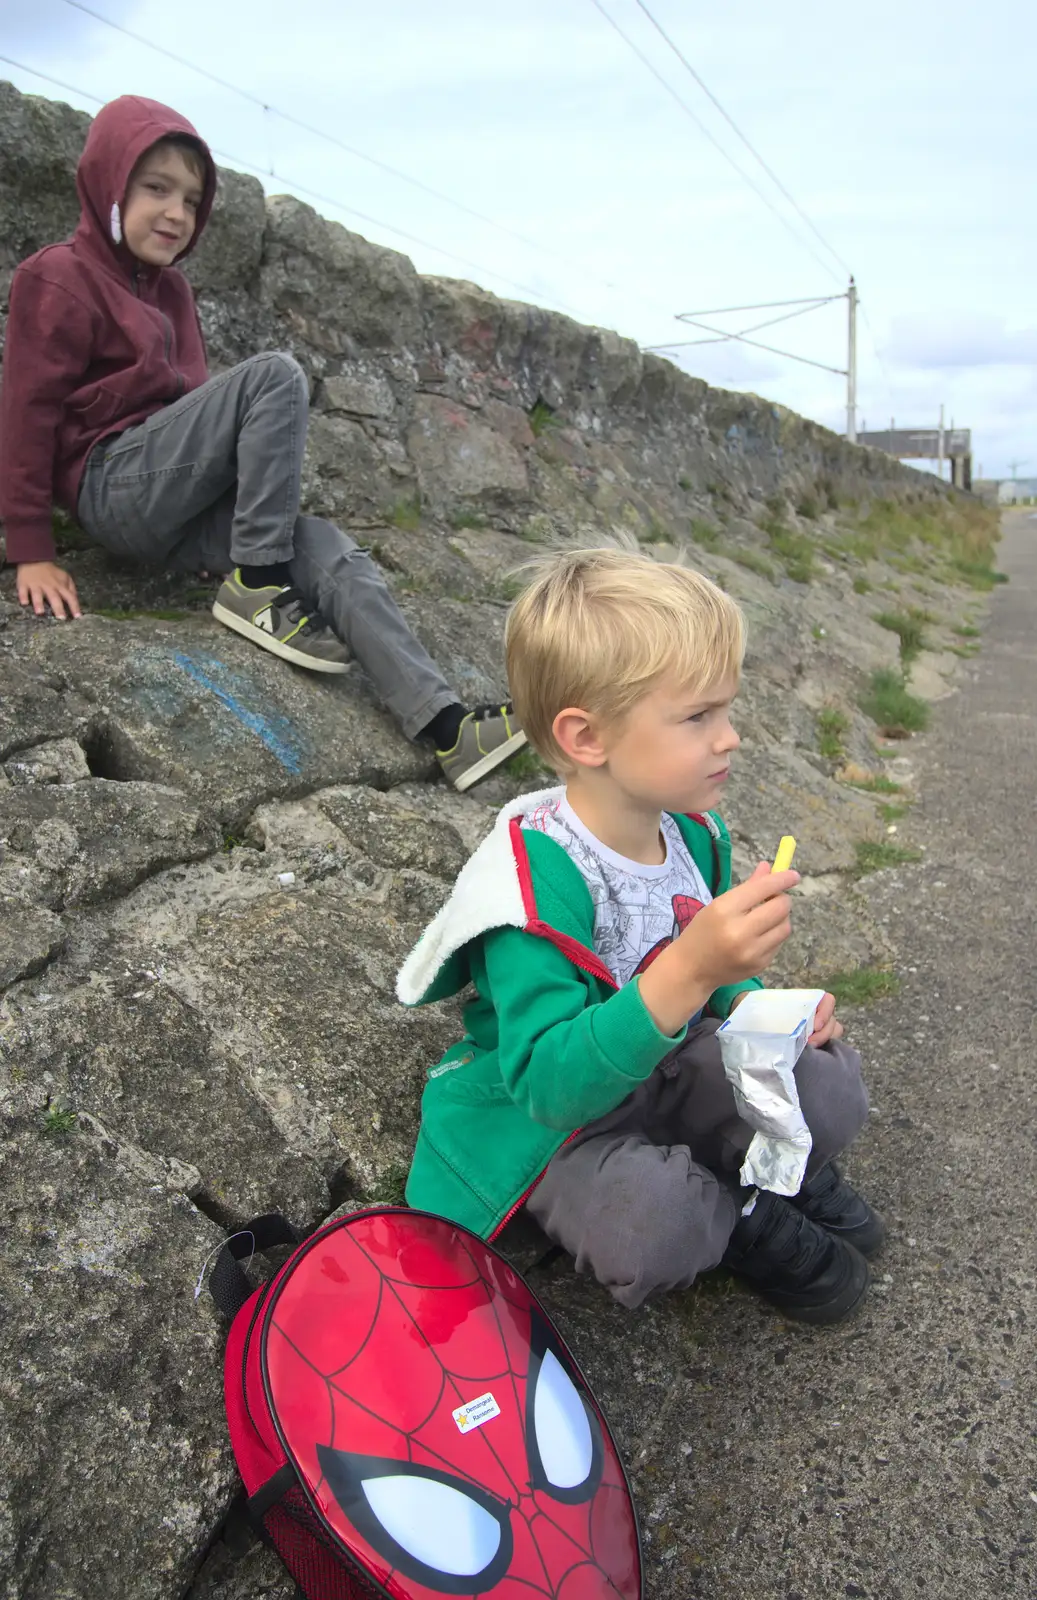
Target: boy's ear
579,737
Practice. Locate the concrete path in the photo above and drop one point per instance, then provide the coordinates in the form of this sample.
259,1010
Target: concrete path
895,1457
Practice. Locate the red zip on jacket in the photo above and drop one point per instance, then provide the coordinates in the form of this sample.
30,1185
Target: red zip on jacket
96,340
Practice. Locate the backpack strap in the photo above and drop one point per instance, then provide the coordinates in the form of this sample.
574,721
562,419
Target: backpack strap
228,1284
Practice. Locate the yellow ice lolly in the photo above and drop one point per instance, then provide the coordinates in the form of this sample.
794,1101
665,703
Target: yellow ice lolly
786,850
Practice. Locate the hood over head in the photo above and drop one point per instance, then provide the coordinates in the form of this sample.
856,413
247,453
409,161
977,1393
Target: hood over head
118,137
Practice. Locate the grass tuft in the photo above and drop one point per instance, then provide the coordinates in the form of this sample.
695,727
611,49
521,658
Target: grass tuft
908,629
877,785
890,704
541,417
793,550
976,574
875,855
58,1122
406,514
833,725
753,561
861,985
704,533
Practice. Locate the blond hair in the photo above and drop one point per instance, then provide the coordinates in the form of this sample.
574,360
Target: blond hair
599,629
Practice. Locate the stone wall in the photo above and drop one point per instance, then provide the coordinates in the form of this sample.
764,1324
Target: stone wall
211,866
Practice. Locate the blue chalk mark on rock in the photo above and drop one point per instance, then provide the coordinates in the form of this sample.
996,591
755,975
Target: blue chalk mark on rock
275,732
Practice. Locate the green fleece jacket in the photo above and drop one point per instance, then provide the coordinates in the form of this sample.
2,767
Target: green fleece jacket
550,1042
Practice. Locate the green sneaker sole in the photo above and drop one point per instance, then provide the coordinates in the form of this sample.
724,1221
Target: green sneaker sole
267,641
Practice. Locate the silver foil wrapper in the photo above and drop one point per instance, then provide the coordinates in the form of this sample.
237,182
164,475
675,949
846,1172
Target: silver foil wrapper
759,1069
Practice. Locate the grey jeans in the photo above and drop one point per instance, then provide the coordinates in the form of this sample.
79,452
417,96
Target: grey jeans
213,481
646,1197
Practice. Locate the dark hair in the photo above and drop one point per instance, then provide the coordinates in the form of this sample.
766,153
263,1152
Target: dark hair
192,150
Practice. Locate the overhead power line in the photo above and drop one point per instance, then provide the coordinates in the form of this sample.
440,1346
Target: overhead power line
769,170
341,144
316,194
714,141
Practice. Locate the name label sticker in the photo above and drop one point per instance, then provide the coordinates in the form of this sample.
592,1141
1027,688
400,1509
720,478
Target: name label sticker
475,1413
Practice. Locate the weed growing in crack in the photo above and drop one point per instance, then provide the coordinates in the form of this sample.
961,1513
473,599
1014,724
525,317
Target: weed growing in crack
976,574
58,1122
704,534
793,550
877,785
889,703
753,561
833,724
406,514
875,855
908,629
861,985
541,417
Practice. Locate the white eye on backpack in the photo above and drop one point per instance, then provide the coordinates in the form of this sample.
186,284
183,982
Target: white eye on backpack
116,222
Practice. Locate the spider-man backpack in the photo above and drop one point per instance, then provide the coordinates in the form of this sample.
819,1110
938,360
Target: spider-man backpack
408,1423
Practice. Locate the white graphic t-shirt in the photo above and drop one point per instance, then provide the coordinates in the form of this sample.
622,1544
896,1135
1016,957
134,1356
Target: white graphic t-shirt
638,909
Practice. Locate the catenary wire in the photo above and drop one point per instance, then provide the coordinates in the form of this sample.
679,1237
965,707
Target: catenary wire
341,144
714,141
769,170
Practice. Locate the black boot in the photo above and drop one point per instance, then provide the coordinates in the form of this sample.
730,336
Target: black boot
810,1275
828,1200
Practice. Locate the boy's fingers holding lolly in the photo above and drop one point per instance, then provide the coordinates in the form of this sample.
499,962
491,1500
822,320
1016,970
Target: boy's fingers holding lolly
740,932
762,886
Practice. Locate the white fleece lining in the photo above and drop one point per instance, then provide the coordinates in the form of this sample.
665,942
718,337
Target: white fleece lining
487,894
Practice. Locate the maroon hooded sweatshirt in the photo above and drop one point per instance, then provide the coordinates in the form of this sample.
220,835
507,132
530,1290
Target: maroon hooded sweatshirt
96,340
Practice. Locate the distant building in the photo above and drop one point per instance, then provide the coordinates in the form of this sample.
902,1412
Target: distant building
1017,491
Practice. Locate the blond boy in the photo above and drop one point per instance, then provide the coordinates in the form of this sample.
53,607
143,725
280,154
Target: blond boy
605,945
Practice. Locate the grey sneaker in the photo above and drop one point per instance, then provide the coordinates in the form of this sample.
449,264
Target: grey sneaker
488,736
276,618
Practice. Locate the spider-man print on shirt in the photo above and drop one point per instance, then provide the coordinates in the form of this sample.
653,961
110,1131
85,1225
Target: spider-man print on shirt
449,1441
685,907
638,908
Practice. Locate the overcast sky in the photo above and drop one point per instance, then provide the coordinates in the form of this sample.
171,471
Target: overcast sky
905,131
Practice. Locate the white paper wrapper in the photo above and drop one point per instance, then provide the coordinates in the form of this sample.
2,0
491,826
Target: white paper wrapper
760,1050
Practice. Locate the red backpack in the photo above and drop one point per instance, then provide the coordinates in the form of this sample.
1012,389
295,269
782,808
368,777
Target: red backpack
409,1424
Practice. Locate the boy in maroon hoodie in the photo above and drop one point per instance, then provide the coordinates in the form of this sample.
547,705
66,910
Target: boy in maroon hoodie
108,409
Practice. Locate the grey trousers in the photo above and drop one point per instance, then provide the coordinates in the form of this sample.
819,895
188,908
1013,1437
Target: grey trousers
646,1197
213,481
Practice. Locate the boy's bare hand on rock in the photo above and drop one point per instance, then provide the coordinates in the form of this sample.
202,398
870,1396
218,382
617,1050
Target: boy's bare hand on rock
741,932
44,583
